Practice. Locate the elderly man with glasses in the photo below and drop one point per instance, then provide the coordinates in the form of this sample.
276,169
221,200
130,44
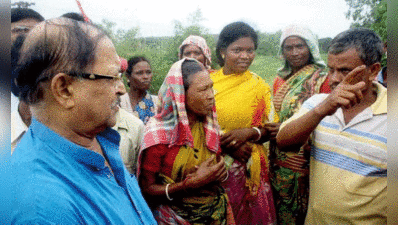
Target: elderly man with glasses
67,168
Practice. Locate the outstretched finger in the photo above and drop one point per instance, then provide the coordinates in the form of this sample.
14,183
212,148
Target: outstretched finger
354,76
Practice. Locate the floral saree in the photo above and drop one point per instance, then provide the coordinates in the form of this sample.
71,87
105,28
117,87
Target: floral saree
290,170
144,110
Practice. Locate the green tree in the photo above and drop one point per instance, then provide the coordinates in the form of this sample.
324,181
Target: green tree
126,41
108,27
193,27
324,44
22,4
268,43
369,13
163,52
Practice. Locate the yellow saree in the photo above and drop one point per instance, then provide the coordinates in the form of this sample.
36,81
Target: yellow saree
242,101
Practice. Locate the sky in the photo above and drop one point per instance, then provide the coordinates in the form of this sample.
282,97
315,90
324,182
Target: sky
326,18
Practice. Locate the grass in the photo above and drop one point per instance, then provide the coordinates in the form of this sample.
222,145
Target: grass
264,66
267,66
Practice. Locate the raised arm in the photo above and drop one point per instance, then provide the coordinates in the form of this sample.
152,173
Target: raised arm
296,132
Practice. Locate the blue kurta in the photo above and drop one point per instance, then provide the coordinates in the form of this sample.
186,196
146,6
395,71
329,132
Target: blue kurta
56,181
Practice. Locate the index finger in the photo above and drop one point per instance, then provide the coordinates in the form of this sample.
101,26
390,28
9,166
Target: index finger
353,77
219,164
225,136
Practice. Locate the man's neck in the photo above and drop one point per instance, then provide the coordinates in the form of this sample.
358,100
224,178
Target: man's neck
24,113
79,137
66,128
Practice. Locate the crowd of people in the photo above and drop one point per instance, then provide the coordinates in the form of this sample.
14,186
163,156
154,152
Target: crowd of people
214,146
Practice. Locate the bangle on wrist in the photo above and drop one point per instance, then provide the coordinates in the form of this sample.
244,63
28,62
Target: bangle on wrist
167,192
225,179
259,133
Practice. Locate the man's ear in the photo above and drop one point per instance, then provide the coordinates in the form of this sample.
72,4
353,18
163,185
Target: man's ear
62,89
374,70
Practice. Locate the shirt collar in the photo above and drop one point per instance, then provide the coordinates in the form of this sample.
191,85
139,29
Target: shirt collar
380,105
18,127
120,122
108,139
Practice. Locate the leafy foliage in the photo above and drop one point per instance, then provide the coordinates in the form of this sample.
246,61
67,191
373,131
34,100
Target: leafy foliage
22,4
369,13
324,44
162,52
193,27
268,43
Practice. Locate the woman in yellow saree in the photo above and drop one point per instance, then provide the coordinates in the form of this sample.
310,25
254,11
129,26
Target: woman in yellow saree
180,163
246,116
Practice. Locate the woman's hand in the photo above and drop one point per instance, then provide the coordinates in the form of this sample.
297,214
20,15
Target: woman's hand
272,130
243,154
206,173
234,139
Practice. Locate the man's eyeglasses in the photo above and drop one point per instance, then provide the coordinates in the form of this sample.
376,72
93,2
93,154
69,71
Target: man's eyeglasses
20,29
92,76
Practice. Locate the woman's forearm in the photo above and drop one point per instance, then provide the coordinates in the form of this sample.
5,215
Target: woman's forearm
149,187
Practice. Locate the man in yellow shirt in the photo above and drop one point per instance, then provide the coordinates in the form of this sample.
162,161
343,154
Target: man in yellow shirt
348,129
